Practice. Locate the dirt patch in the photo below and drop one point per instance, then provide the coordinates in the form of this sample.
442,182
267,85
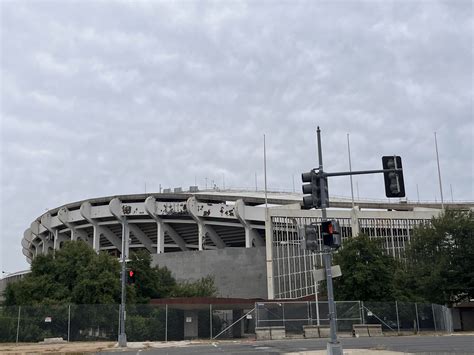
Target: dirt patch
75,348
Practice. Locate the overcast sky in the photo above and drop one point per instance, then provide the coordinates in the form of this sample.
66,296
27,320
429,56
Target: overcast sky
102,97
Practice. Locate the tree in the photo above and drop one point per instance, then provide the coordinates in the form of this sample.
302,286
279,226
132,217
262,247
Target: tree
77,274
74,274
150,282
203,287
440,259
158,282
367,273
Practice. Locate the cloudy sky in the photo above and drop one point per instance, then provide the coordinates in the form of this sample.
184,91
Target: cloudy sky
102,97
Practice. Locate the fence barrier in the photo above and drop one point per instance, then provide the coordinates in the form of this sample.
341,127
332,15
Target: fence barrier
164,322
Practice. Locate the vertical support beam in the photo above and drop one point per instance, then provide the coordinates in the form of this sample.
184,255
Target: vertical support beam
161,227
355,227
269,254
203,229
251,235
160,237
191,206
63,216
115,207
200,235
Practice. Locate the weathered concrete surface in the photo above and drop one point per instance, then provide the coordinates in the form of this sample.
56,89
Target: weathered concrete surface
237,272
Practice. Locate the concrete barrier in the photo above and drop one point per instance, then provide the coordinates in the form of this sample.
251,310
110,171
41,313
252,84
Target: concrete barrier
311,331
278,333
367,330
53,341
324,331
375,330
263,333
270,333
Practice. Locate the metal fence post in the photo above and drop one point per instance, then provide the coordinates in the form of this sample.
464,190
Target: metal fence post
18,324
360,313
166,322
417,330
398,319
68,323
283,313
434,318
210,321
308,312
256,315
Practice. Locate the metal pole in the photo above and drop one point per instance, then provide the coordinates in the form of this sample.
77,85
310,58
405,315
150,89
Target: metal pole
210,321
398,319
417,330
417,193
166,322
350,169
68,323
434,318
122,338
334,347
265,170
18,324
309,313
439,173
316,296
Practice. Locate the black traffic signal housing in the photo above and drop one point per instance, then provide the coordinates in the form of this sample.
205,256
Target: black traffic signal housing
314,189
131,276
394,185
309,237
331,233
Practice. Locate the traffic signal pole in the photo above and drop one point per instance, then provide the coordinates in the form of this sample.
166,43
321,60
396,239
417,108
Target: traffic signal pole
122,337
334,347
319,198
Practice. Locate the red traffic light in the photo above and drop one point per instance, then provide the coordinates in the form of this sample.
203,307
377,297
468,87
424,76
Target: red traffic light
131,273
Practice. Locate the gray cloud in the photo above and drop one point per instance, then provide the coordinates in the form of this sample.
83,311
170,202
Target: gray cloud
98,98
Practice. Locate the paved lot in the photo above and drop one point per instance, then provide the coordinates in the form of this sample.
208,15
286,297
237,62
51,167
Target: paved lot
378,345
438,345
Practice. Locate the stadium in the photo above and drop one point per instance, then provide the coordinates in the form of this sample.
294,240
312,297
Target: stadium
246,240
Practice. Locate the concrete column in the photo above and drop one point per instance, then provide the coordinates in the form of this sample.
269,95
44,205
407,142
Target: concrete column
269,253
76,234
355,221
161,228
203,229
115,207
160,237
251,235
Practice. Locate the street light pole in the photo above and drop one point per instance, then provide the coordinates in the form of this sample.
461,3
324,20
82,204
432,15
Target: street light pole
122,338
334,347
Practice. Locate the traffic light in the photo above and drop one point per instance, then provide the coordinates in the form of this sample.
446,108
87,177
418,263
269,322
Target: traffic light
131,276
331,233
394,185
314,188
309,237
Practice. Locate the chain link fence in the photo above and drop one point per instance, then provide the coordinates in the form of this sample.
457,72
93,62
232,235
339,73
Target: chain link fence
164,322
144,322
394,317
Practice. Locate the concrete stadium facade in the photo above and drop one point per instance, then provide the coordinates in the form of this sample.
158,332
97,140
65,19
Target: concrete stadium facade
250,248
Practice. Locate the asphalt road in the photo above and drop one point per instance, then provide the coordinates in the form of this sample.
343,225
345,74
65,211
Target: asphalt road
457,344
